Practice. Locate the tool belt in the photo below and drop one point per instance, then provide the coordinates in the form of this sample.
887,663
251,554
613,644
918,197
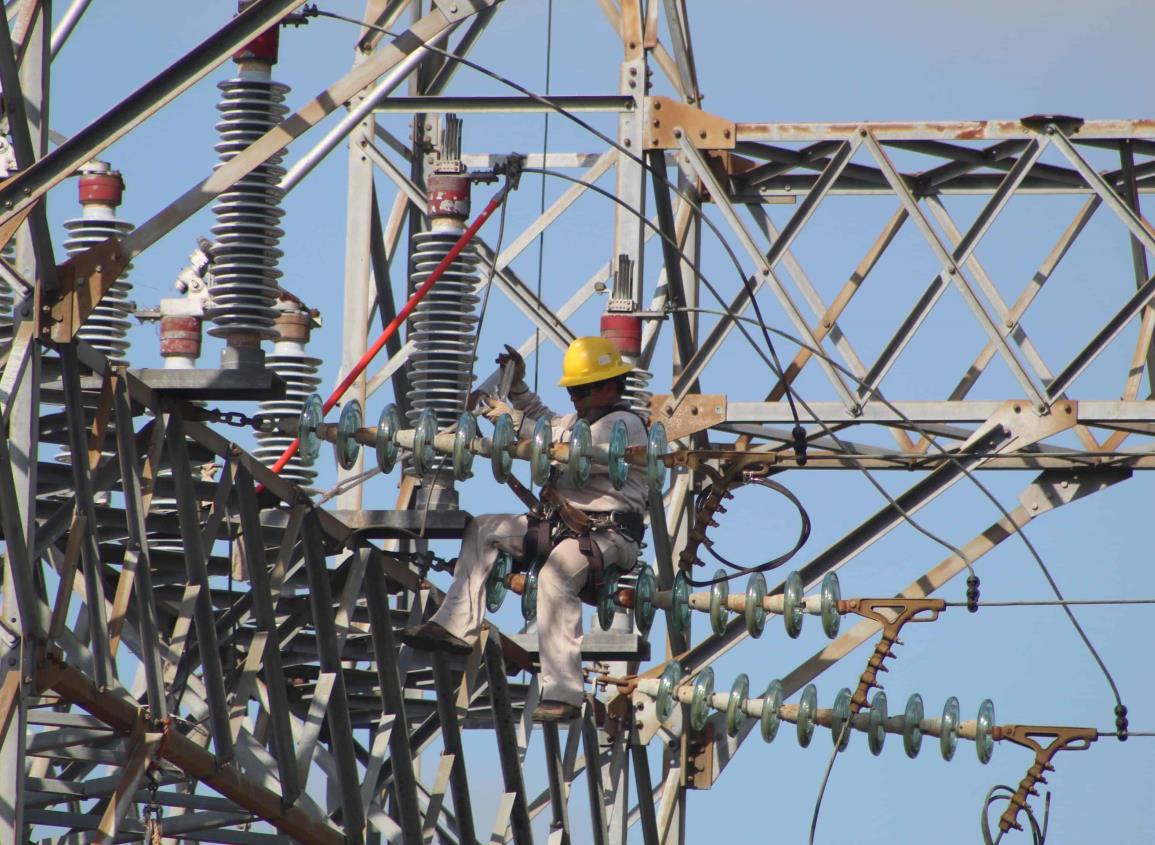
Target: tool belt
559,520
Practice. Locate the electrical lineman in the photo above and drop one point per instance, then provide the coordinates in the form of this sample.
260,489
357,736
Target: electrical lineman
577,533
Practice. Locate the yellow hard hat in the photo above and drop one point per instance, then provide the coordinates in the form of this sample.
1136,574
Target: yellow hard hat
591,359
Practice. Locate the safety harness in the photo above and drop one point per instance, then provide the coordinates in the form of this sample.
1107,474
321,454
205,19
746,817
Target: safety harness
555,520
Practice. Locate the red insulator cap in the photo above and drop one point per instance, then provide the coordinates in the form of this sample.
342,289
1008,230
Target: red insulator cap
625,330
263,48
448,195
104,188
180,336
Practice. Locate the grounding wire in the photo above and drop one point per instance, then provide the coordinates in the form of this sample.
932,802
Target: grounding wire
1120,709
312,10
1038,835
826,778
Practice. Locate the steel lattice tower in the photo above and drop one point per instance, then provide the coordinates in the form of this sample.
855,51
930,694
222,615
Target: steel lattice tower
195,646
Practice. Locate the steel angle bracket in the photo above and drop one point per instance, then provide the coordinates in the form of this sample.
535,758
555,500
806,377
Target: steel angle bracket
666,119
646,724
696,412
1060,487
459,10
1016,424
84,281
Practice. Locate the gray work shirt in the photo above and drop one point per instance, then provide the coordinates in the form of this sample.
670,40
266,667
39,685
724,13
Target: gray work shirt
598,494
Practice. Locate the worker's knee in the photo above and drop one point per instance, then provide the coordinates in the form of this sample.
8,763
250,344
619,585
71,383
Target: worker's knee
501,531
486,525
566,564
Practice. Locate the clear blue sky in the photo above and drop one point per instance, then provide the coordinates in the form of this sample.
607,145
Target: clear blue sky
759,61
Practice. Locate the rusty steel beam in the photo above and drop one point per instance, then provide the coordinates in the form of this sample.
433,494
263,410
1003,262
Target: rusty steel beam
124,715
944,130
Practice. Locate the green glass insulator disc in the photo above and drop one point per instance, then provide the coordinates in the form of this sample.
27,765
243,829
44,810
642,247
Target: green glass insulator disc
385,441
345,447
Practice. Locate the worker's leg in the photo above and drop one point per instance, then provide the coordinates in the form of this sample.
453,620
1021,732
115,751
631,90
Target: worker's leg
464,606
559,612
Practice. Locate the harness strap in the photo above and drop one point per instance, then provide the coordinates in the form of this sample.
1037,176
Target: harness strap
560,519
595,579
538,541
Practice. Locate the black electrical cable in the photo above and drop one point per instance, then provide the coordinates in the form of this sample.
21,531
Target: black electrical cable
1120,708
774,563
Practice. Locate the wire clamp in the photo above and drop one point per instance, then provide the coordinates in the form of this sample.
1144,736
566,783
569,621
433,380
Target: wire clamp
1029,736
904,610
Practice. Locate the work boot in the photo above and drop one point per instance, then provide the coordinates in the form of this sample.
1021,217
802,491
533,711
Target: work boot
429,636
556,711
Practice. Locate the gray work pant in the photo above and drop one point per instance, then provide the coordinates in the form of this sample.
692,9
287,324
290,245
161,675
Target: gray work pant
559,610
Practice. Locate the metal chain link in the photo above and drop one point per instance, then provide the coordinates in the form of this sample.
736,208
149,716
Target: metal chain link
425,561
236,419
152,811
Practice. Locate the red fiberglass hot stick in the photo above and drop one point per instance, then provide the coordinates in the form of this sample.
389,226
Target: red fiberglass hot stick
403,314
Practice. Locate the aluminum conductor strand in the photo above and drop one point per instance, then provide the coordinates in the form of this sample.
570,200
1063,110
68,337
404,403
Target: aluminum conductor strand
246,234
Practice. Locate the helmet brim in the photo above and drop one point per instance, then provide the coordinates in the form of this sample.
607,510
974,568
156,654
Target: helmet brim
592,378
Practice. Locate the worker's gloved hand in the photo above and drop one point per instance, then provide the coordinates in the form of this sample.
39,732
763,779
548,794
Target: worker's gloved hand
492,408
512,358
476,401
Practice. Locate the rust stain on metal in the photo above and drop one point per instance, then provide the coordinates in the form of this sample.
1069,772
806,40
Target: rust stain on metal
700,759
904,610
667,119
9,228
1062,738
731,164
943,130
631,30
84,280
